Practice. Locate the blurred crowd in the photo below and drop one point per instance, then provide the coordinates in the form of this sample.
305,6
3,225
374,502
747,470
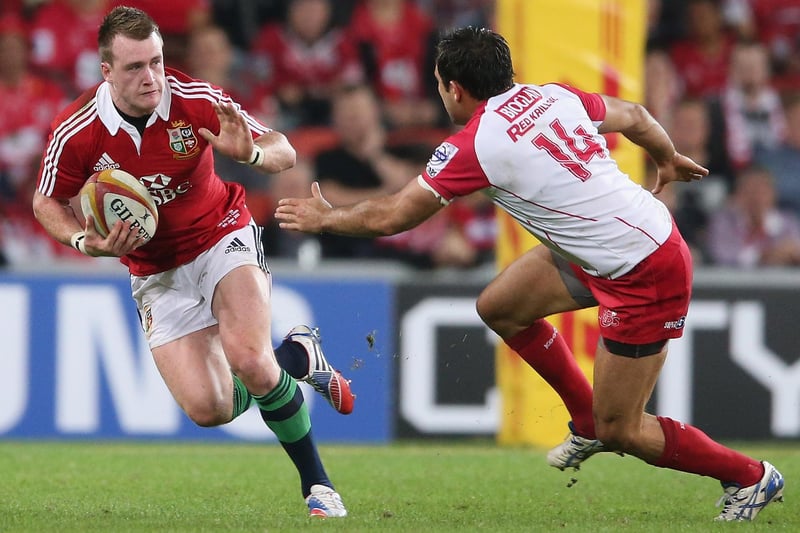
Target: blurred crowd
350,83
723,77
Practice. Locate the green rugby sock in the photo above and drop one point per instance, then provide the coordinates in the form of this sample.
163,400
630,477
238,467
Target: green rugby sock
241,397
285,412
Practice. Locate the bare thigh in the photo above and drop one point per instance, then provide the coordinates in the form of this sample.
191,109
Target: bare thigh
622,388
197,367
197,374
241,304
528,289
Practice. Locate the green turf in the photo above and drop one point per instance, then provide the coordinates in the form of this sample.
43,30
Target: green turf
423,487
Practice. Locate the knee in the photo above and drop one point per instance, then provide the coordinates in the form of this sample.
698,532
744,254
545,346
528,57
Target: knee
616,434
248,366
503,320
489,312
255,370
246,362
210,414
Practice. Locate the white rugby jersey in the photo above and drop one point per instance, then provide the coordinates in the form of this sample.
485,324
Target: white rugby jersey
536,152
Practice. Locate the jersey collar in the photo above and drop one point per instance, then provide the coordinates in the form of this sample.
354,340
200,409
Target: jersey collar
113,121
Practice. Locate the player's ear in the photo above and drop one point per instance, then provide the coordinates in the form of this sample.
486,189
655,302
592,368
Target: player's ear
457,90
105,70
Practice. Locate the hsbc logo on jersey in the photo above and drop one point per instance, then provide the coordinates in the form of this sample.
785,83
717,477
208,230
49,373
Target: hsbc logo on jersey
162,189
441,156
517,105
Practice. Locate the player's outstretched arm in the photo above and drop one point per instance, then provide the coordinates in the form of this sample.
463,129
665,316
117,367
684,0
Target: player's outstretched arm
381,215
639,126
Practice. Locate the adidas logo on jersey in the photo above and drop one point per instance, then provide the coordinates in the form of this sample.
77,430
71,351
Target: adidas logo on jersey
236,246
105,163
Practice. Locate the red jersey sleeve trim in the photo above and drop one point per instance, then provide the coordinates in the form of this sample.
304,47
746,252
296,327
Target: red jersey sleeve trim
453,169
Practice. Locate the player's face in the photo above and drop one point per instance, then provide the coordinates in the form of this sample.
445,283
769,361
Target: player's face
136,74
450,100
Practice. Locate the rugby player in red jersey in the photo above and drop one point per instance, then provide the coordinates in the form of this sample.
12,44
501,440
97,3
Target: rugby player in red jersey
201,285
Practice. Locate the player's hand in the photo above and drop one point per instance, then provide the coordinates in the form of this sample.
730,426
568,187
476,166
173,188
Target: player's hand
304,214
121,240
679,168
234,139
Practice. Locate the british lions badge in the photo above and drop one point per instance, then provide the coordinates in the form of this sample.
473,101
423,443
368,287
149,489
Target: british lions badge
182,140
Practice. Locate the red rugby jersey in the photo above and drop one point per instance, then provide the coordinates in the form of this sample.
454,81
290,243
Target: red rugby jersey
196,207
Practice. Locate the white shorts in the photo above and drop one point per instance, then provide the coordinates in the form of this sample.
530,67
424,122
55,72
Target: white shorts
177,302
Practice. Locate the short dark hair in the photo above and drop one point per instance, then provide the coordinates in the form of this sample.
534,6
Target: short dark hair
478,59
128,21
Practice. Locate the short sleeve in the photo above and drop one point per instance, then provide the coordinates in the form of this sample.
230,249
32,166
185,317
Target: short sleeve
453,169
592,102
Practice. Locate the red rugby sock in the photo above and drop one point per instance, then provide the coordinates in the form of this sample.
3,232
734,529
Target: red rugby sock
544,349
688,449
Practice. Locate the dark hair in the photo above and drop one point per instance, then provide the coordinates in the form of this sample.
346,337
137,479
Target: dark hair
478,59
128,21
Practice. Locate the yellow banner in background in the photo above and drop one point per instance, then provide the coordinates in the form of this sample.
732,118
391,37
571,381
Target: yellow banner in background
597,46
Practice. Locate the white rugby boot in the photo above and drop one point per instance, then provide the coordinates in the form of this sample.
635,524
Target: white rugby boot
573,451
744,503
324,502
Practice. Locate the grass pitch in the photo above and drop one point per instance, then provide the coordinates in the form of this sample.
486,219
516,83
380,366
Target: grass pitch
421,487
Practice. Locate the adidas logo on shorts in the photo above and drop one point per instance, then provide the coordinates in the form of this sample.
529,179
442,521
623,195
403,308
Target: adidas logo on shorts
236,246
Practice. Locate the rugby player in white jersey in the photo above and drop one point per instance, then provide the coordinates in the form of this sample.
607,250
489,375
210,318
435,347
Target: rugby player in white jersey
538,152
201,285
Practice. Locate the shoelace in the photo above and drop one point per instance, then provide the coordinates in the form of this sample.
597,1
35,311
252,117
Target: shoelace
727,497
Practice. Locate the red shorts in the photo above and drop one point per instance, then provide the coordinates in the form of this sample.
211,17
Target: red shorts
649,303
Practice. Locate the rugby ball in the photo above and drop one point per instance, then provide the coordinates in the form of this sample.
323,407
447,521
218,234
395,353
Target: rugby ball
111,195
